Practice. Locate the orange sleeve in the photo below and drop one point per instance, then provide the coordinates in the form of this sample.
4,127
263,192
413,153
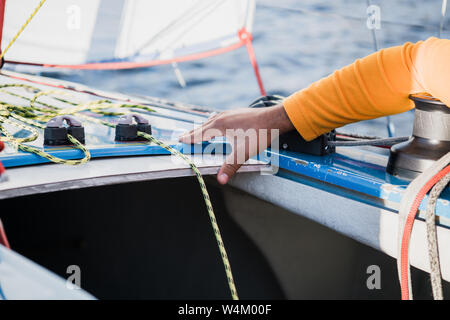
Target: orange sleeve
375,86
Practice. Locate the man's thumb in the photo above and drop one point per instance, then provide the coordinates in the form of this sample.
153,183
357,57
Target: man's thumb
226,172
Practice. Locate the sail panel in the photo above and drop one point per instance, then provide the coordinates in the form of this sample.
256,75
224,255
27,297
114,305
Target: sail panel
213,23
60,32
67,32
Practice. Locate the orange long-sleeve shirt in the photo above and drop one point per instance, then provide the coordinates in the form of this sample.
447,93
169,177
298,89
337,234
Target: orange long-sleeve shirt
377,85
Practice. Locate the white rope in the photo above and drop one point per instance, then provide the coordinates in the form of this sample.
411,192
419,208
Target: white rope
433,252
406,204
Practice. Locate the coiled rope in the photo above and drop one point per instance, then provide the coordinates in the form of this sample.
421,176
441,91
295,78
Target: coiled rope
50,111
32,114
409,205
433,252
18,143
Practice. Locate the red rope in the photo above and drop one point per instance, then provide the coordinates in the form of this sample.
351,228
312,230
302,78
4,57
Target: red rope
2,168
408,229
3,238
2,15
246,37
245,40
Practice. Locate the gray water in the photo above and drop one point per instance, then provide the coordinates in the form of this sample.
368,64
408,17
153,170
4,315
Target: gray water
296,43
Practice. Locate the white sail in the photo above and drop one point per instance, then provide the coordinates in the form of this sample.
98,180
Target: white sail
68,32
53,35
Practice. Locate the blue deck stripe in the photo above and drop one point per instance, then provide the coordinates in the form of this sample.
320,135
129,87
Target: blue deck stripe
353,174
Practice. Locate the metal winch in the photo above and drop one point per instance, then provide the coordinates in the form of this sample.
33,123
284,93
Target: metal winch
430,139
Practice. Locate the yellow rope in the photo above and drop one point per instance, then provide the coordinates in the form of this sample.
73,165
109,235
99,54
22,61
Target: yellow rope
95,106
18,142
209,207
22,28
206,198
44,93
32,137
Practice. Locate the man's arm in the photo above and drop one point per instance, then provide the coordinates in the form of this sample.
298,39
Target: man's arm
233,124
375,86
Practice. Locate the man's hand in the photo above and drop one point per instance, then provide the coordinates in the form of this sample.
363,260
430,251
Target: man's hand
249,130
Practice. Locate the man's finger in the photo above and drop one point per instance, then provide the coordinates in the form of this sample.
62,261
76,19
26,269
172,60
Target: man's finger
227,172
193,136
228,169
203,133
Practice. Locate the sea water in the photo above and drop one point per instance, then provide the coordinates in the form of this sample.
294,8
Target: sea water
296,43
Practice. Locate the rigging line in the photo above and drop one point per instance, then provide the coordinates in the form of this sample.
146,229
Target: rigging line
369,142
185,15
194,23
443,12
95,105
209,207
151,139
205,194
22,28
432,239
156,102
342,16
374,34
87,157
149,111
43,154
3,240
411,200
389,125
206,198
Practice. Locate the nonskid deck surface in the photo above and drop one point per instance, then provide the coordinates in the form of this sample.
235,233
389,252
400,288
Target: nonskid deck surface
350,168
168,122
28,173
112,162
353,169
349,174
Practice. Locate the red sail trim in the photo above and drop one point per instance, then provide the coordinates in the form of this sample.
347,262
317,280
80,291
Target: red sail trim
245,40
132,65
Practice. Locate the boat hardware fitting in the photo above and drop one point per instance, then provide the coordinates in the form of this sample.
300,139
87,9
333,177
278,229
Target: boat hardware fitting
293,141
126,130
55,133
429,142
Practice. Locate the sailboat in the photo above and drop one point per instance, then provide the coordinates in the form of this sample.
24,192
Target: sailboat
132,223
